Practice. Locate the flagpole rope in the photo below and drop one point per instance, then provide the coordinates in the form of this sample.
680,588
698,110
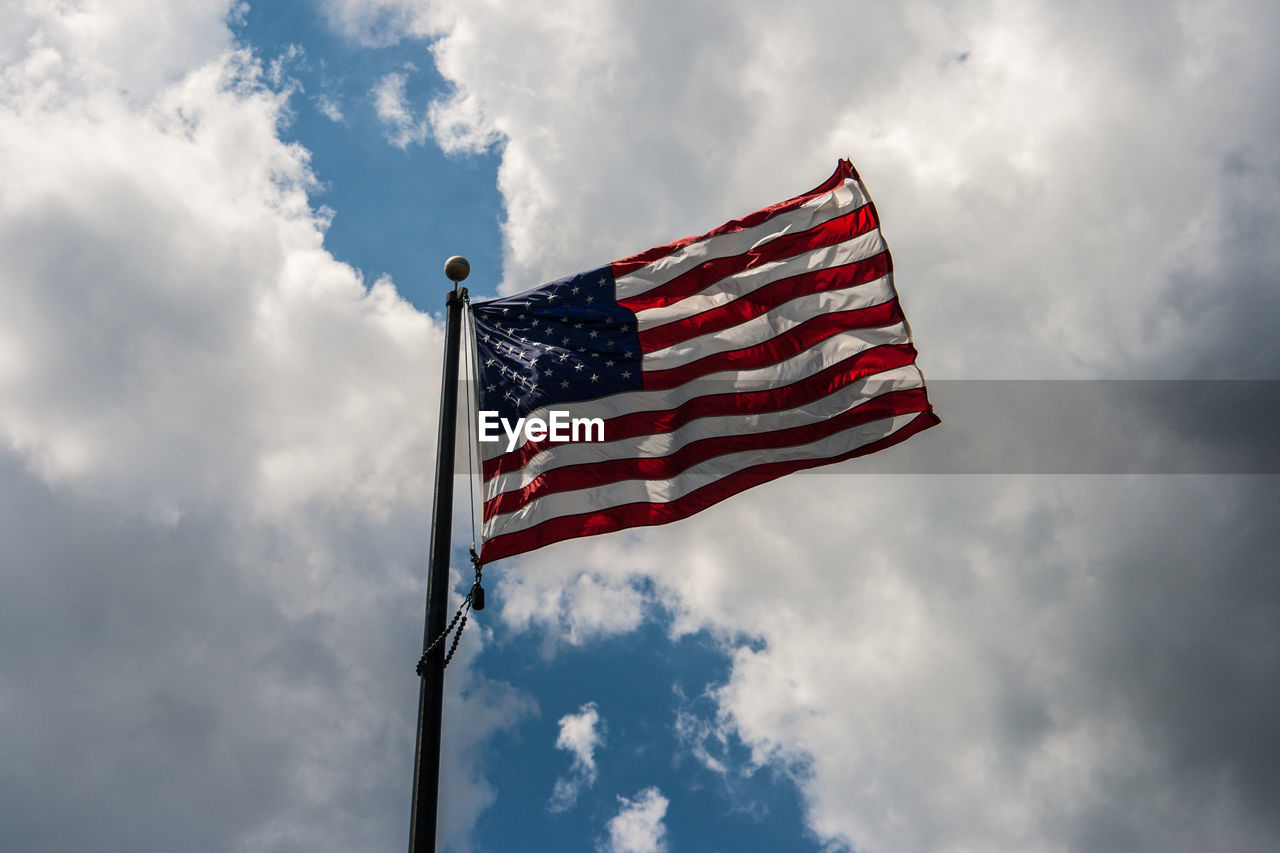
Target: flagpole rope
474,466
475,597
468,338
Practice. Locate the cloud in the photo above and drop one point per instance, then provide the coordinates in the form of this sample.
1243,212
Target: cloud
587,606
168,306
402,127
693,733
941,662
989,172
329,108
55,55
638,827
1087,653
581,734
1006,662
211,510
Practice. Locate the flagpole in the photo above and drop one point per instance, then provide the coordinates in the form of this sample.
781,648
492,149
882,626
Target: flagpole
426,771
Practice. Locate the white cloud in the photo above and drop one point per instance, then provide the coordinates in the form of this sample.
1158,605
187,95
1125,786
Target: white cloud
943,662
638,826
170,303
329,108
402,127
375,23
57,51
294,54
581,734
588,606
946,663
215,458
999,144
694,732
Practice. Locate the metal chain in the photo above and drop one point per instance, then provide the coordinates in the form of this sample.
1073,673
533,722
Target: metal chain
463,610
453,647
422,661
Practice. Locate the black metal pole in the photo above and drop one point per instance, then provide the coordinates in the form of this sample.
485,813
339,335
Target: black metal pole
426,771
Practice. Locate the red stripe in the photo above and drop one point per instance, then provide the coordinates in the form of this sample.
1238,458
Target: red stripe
590,474
763,300
648,514
780,348
844,170
846,227
820,384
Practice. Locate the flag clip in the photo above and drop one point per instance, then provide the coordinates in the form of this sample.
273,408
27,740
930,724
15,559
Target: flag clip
477,591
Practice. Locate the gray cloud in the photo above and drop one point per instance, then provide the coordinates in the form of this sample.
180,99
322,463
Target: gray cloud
214,461
965,662
207,516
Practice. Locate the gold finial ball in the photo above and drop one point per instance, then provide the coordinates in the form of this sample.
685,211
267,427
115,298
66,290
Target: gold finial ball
457,268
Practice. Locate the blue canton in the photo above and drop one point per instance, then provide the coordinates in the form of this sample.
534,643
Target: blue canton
562,343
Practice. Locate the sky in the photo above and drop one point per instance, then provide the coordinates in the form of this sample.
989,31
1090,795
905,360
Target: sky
1050,624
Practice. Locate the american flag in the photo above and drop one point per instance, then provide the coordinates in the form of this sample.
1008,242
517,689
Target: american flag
773,344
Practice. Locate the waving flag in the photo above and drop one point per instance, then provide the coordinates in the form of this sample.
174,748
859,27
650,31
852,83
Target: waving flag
773,344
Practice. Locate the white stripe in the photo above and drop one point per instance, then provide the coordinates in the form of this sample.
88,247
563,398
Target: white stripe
772,323
824,208
806,363
664,444
732,287
597,498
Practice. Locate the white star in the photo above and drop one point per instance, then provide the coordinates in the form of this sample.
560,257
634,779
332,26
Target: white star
590,299
595,378
609,363
563,356
579,366
489,362
574,290
551,297
564,383
594,334
626,374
